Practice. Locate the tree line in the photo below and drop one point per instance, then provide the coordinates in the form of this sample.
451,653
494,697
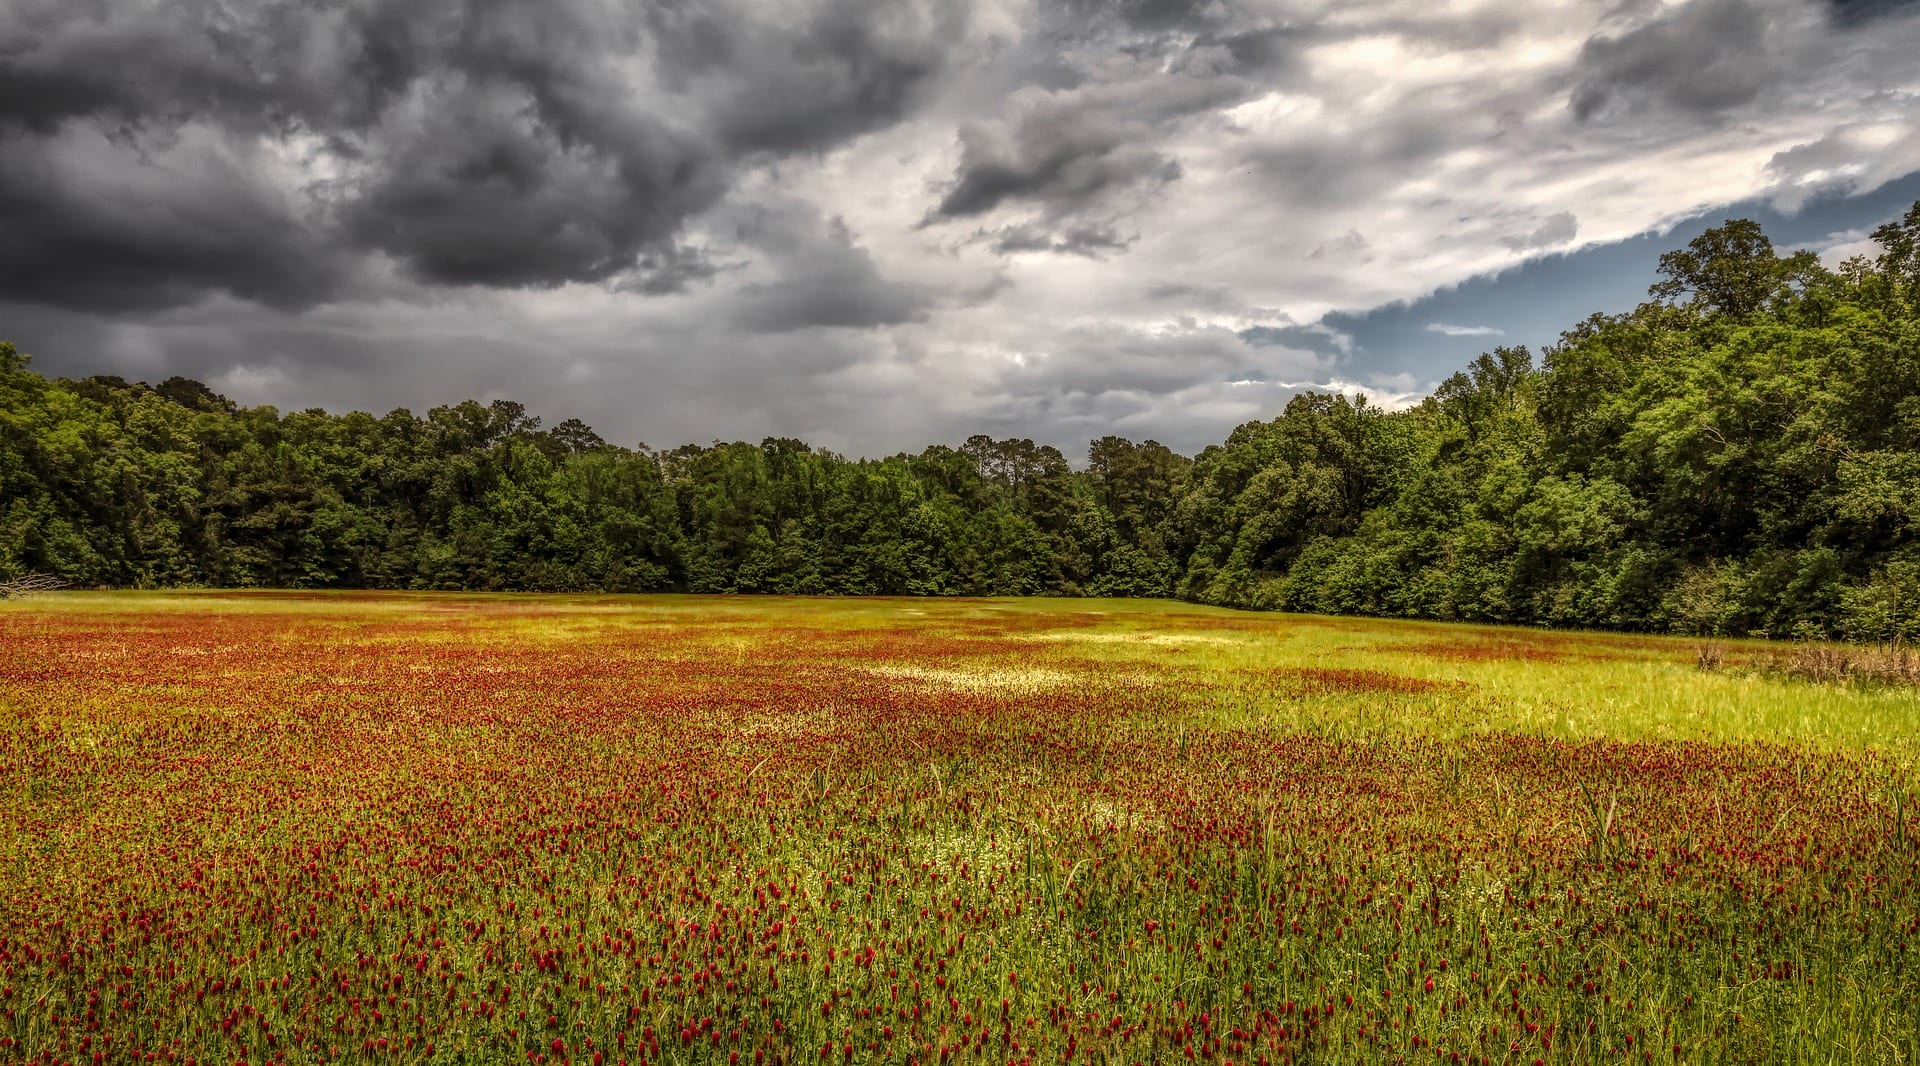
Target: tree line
1740,454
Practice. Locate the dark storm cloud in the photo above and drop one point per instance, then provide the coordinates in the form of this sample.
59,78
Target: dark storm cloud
1852,13
1701,58
849,69
80,226
478,188
1324,343
1057,159
1080,159
1261,50
525,144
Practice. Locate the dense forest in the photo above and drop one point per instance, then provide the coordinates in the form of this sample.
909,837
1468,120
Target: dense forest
1739,455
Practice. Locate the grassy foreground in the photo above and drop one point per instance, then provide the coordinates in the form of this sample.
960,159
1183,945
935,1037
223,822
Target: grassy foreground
426,828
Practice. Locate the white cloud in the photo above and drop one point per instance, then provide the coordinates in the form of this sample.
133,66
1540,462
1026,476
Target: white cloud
1462,331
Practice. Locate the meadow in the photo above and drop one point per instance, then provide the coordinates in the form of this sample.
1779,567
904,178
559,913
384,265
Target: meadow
286,827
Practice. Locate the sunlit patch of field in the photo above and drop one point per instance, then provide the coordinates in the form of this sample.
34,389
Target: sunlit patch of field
1011,680
309,827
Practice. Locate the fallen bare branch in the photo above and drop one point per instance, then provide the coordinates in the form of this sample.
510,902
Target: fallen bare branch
20,588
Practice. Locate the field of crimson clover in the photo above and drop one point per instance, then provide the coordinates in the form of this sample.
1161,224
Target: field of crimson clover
423,828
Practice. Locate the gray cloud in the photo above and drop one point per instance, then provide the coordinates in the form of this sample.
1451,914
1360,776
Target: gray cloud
1701,58
1151,16
1556,229
1060,159
1206,297
822,278
1351,245
1849,158
1858,12
669,270
474,187
510,144
1261,50
1091,240
1326,166
1079,158
85,222
782,88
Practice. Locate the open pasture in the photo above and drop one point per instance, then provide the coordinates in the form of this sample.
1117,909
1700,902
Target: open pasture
429,828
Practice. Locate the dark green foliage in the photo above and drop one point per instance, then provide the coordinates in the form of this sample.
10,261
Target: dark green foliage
1739,455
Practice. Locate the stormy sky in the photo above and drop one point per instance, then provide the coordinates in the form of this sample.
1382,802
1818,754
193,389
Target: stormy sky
879,225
